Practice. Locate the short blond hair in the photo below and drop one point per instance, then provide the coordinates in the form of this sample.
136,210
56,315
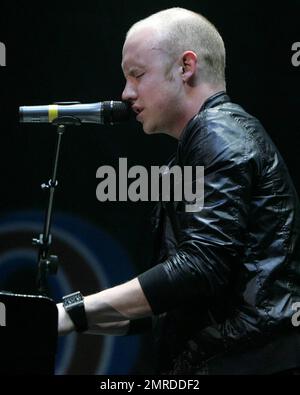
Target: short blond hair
181,30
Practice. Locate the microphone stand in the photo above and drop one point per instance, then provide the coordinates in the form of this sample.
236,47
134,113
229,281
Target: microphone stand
48,264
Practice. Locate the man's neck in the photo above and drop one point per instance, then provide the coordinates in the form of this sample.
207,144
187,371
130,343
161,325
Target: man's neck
195,100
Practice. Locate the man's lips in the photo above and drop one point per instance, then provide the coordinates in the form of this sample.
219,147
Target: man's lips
138,117
137,109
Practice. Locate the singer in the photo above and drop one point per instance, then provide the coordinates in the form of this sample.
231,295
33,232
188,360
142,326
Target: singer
224,279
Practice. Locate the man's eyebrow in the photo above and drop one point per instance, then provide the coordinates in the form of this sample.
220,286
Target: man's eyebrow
132,70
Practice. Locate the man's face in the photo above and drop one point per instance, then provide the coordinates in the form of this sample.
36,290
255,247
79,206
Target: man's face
154,96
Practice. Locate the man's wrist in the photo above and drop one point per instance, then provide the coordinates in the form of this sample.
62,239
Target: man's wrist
74,307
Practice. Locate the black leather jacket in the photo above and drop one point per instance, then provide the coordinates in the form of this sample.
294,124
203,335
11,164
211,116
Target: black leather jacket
226,277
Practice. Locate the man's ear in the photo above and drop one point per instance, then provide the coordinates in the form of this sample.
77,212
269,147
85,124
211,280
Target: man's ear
189,66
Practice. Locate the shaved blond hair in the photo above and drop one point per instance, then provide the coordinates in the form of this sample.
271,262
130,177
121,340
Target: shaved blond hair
179,30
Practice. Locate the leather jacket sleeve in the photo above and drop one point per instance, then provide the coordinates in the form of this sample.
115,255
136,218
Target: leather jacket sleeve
210,242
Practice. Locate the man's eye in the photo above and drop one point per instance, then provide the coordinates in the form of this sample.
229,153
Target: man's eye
140,75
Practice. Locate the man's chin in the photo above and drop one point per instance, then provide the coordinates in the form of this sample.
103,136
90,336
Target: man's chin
151,130
147,129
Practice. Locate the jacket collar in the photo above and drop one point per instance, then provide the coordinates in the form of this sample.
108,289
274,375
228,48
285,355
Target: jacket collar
215,100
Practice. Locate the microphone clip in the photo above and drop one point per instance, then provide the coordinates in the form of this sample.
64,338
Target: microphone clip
68,120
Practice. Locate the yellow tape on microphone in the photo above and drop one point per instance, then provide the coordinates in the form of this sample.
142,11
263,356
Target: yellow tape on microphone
52,112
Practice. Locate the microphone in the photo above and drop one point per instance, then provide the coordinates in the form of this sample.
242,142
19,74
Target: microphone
102,113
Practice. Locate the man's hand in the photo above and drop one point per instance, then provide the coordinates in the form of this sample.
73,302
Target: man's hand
65,324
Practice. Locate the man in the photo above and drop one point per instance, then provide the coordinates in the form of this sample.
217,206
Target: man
224,278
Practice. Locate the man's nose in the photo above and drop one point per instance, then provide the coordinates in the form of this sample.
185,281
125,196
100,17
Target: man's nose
129,93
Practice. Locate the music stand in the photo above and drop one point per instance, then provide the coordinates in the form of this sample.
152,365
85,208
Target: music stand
28,334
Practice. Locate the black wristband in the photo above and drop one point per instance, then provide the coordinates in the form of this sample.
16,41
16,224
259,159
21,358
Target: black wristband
74,306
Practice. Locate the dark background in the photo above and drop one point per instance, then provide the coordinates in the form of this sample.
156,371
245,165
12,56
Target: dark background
72,51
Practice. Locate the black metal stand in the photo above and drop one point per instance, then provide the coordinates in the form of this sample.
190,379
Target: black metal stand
48,264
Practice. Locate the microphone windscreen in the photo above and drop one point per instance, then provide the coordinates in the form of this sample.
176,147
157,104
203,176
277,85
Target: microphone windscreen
115,111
